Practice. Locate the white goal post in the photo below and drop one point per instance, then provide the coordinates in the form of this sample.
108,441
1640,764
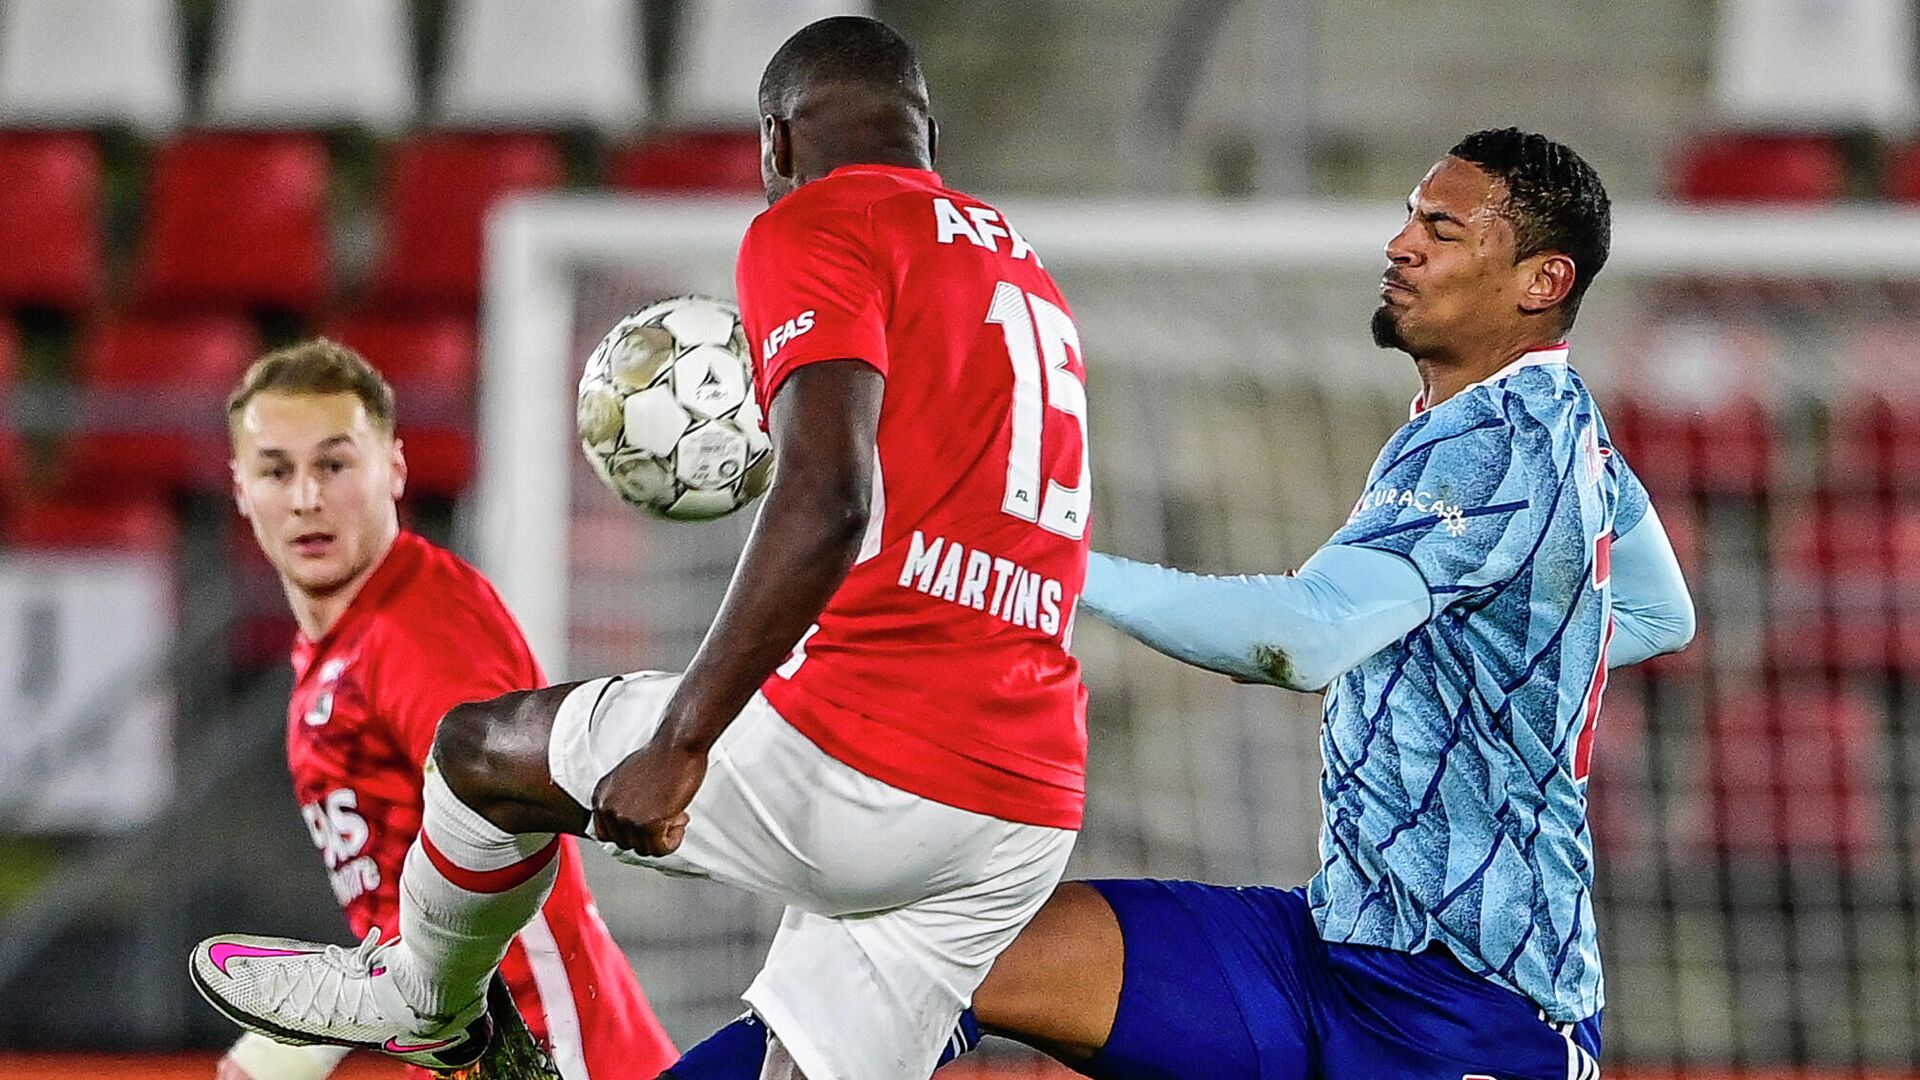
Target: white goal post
536,246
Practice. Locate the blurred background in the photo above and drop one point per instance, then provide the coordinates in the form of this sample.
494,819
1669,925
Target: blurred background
184,183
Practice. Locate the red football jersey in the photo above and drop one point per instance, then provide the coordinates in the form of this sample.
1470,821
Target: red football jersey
425,633
941,665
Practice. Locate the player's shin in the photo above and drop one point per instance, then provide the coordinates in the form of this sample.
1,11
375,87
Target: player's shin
466,889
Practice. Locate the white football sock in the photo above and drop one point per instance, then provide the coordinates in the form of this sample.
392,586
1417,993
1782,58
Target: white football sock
467,888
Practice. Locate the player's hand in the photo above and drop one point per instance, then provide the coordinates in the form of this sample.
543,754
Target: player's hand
641,805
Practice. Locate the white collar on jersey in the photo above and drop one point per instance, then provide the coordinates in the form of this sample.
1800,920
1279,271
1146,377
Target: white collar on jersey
1555,353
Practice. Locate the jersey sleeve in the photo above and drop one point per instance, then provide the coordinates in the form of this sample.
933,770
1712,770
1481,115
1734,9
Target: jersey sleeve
810,291
1457,505
420,681
1631,500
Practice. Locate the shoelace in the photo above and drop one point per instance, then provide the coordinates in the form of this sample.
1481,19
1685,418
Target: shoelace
357,961
350,968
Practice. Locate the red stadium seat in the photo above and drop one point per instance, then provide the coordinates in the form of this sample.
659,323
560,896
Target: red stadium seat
1875,447
1843,563
435,198
13,459
1736,168
124,525
693,161
153,403
1901,178
49,220
1798,773
1727,448
429,359
237,220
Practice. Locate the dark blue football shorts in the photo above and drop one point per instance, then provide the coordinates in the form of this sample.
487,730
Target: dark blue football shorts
1226,983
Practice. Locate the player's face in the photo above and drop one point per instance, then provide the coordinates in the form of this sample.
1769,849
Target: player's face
1452,278
318,480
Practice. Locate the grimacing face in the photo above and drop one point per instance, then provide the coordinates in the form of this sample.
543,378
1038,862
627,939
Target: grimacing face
1451,276
318,480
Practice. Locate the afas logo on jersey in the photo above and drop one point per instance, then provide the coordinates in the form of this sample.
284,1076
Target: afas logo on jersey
786,332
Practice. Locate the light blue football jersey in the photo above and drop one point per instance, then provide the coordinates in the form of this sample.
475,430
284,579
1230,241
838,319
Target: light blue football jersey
1454,786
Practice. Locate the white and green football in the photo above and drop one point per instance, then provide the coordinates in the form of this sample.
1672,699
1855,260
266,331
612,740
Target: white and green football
667,414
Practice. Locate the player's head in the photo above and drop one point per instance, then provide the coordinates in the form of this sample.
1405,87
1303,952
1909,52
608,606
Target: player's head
316,467
1502,238
846,90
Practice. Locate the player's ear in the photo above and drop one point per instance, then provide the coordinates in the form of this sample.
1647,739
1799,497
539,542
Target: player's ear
398,485
933,140
779,136
1549,279
240,502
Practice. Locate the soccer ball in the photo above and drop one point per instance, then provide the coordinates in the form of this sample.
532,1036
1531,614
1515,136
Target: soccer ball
666,411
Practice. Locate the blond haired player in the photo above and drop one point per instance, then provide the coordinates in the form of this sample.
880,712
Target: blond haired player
394,632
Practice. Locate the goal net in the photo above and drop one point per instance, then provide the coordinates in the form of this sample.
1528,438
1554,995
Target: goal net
1754,799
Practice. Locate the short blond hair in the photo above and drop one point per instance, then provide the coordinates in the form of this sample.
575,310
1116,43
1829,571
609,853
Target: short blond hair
319,366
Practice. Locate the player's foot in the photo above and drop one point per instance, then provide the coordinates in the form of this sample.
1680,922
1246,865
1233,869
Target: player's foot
303,992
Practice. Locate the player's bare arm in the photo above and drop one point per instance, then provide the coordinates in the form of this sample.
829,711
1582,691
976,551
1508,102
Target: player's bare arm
824,422
493,754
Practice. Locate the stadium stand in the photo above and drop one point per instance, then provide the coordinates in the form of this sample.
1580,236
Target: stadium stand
434,199
556,64
104,63
1743,168
131,524
138,376
13,464
1794,772
50,220
237,220
711,88
297,64
429,359
709,161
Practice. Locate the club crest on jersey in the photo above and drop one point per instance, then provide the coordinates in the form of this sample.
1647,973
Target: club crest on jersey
321,710
1594,455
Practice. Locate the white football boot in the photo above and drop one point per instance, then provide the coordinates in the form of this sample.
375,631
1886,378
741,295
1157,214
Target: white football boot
307,993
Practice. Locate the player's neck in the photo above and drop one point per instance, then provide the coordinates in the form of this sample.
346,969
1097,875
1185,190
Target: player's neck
1443,375
318,613
902,157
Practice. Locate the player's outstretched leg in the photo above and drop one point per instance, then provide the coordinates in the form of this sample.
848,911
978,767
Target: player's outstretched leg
481,866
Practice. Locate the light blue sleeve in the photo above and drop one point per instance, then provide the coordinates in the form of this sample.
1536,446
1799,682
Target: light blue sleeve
1652,610
1300,631
1632,503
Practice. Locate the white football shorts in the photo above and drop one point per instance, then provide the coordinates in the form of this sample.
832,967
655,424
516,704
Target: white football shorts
896,905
